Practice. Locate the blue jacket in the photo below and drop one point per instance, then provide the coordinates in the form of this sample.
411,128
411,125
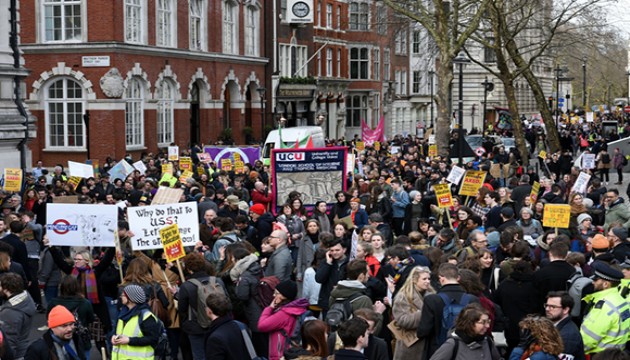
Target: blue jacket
571,338
402,199
360,219
539,355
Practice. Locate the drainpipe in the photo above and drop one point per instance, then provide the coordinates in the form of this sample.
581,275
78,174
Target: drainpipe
13,41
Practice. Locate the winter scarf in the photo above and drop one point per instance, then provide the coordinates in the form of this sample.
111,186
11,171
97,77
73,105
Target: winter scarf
89,284
400,267
242,265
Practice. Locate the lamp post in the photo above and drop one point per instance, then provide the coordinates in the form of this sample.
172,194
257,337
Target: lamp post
261,95
628,75
460,60
431,74
584,83
558,72
487,87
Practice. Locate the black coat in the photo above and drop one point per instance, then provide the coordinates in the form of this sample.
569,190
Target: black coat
187,297
552,277
44,348
571,338
431,317
19,251
225,341
246,289
329,276
517,297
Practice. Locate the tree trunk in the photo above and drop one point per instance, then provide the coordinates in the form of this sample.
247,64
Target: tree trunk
443,122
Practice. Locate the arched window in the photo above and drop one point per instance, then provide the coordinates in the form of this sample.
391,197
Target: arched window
252,31
64,114
165,123
134,114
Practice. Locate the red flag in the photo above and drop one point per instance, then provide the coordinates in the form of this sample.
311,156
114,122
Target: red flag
309,143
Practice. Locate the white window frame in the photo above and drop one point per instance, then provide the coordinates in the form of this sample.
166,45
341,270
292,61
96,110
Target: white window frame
416,42
166,23
351,107
377,64
403,82
67,13
252,30
359,16
318,63
329,62
362,64
165,95
387,64
230,26
381,20
134,114
318,20
417,82
338,62
198,25
67,105
329,16
284,55
135,21
339,17
401,42
376,107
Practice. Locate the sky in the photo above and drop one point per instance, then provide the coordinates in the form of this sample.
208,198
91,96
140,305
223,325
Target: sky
619,16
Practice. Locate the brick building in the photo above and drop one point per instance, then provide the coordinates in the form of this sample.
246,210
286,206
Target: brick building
147,72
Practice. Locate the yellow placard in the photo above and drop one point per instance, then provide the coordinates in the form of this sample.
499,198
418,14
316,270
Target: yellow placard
185,176
12,179
443,195
239,167
170,179
226,164
172,243
377,145
542,154
557,215
433,151
360,145
167,168
185,163
237,157
535,190
472,182
74,181
201,170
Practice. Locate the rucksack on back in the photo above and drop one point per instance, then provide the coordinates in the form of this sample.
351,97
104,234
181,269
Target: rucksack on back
575,285
204,289
341,310
161,348
452,308
264,290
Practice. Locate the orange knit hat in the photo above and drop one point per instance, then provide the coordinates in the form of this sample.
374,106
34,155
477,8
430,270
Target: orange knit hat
59,315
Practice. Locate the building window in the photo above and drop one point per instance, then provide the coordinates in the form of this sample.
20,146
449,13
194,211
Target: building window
415,47
198,25
134,119
165,123
356,110
134,32
339,17
386,64
403,82
338,62
489,55
329,62
165,23
397,82
417,79
318,20
252,40
377,64
329,16
359,14
359,63
318,63
401,42
64,114
230,27
381,20
376,108
292,59
62,20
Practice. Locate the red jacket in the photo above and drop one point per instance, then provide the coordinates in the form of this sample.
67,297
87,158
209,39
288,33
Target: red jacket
259,198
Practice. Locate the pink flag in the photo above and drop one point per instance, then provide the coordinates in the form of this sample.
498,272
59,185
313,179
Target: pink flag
369,136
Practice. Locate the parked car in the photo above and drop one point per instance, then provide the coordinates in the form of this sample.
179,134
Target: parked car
476,141
509,143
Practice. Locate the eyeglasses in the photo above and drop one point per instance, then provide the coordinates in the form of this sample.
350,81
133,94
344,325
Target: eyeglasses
484,322
550,306
78,259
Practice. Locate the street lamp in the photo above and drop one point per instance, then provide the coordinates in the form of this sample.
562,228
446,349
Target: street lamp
584,83
431,74
460,60
558,71
488,86
261,95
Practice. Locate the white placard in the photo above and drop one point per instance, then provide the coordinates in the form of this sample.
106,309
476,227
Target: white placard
350,163
81,170
140,166
581,183
173,153
394,149
81,224
299,11
120,170
455,175
95,61
588,161
146,221
589,117
431,139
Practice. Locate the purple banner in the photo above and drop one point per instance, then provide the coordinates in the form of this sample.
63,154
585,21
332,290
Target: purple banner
248,154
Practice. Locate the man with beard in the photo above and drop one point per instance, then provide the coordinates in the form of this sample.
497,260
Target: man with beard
557,309
60,341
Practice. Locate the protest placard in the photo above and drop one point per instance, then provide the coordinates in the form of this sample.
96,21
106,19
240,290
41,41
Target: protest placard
443,195
226,164
581,183
237,157
172,243
535,190
120,170
140,166
433,150
186,174
80,170
377,145
360,145
12,179
94,164
170,179
455,175
542,154
173,153
588,161
201,170
204,157
167,168
239,167
557,215
472,182
185,163
166,195
81,224
74,181
146,221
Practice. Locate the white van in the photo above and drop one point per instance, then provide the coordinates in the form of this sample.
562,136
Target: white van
289,138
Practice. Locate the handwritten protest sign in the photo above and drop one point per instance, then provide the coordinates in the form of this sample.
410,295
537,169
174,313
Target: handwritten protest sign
455,175
172,243
81,224
557,215
80,170
140,166
588,161
472,182
12,179
581,183
146,222
443,195
535,190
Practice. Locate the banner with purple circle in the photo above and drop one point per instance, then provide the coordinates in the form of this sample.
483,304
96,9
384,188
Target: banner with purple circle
249,154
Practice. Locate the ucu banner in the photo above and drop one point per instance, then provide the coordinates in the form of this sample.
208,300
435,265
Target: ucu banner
290,156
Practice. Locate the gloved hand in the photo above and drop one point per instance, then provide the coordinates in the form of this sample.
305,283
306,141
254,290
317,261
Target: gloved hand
526,339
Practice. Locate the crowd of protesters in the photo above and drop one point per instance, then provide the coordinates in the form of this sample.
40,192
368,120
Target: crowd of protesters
384,248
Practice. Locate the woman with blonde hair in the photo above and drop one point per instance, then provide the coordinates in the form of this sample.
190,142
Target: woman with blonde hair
407,308
540,340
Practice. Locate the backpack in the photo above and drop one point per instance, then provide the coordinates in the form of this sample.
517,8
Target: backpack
85,336
264,290
341,310
605,159
248,341
624,162
575,285
204,288
161,348
452,308
157,308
